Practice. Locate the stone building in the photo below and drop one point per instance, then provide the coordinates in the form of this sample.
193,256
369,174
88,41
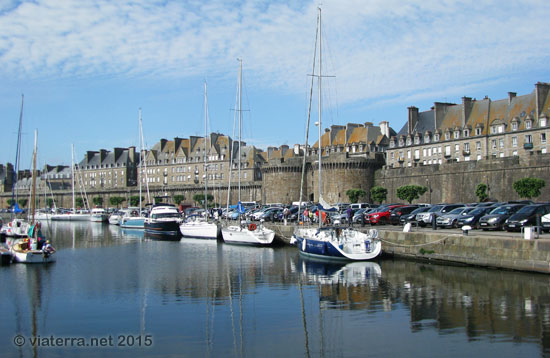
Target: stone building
58,177
350,156
104,169
6,178
473,130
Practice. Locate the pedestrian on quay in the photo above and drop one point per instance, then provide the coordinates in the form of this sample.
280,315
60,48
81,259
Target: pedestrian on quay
349,214
305,216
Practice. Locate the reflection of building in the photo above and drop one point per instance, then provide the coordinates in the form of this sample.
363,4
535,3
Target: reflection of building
474,130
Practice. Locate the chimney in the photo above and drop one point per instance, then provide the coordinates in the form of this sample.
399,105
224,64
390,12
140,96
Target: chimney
132,154
296,149
467,105
541,92
162,144
118,152
102,155
412,120
511,95
385,128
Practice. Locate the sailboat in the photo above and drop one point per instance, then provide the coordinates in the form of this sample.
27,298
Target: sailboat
16,227
335,243
74,215
32,250
250,234
197,226
132,218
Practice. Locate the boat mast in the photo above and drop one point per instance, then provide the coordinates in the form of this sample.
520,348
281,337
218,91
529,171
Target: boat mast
319,110
142,157
140,162
205,138
33,192
17,155
240,121
72,174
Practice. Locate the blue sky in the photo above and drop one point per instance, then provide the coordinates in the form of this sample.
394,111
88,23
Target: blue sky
86,66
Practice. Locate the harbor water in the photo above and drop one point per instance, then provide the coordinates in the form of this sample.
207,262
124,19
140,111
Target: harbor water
116,292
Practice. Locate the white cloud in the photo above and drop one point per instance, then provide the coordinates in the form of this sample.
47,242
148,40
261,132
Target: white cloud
377,49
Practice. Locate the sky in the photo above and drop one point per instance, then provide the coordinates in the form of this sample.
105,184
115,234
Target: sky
85,67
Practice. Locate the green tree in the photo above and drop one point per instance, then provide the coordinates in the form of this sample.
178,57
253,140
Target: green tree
10,202
98,201
178,198
199,198
410,192
116,200
378,193
528,187
134,200
355,194
23,202
79,202
481,192
49,202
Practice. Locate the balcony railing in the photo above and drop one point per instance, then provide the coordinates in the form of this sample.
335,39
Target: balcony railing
528,146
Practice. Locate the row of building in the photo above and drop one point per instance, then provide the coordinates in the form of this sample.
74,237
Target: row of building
469,131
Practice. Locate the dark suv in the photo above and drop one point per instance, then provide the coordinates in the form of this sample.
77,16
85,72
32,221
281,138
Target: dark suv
526,216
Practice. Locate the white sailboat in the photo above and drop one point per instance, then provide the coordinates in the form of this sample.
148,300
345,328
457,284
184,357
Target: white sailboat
133,219
250,234
30,250
335,243
198,226
74,215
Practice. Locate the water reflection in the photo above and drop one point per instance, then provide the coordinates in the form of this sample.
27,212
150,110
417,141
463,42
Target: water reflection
213,299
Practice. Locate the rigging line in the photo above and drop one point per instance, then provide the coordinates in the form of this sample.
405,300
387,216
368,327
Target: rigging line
425,244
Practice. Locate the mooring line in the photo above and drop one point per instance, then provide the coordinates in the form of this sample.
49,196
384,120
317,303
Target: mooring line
425,244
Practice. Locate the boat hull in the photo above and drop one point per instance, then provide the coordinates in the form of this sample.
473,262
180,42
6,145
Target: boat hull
71,217
133,223
239,235
169,230
200,230
322,247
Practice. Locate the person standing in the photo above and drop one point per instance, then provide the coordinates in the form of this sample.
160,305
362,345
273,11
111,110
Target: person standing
349,215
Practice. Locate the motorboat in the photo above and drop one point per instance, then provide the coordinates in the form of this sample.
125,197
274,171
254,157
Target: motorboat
99,215
115,217
15,228
164,221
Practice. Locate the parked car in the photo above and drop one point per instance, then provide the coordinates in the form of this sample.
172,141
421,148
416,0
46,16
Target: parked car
396,213
495,219
381,215
526,216
411,217
427,217
450,220
472,218
271,214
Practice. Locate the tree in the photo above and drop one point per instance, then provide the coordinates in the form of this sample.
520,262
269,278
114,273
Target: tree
355,194
79,202
116,200
410,192
199,198
178,198
23,202
481,192
528,187
134,200
49,202
10,202
98,201
378,193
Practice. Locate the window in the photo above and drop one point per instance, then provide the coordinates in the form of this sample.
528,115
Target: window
416,140
501,128
392,144
543,138
457,134
408,154
429,152
514,125
467,147
494,144
426,138
501,143
436,137
457,148
478,131
401,142
528,138
466,133
447,136
493,129
514,141
478,157
447,150
478,146
417,154
392,155
528,124
543,122
409,141
424,152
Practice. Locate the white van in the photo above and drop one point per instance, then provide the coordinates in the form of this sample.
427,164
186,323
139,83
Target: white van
360,206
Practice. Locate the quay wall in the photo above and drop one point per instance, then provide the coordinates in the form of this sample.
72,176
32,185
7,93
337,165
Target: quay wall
514,253
457,181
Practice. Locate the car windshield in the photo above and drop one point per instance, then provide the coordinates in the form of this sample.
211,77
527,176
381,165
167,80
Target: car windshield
419,210
527,210
501,210
435,209
477,211
456,211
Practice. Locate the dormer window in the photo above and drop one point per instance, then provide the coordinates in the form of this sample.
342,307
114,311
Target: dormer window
427,138
515,125
500,128
466,133
409,141
416,140
392,144
528,124
447,135
478,131
436,137
543,122
401,143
